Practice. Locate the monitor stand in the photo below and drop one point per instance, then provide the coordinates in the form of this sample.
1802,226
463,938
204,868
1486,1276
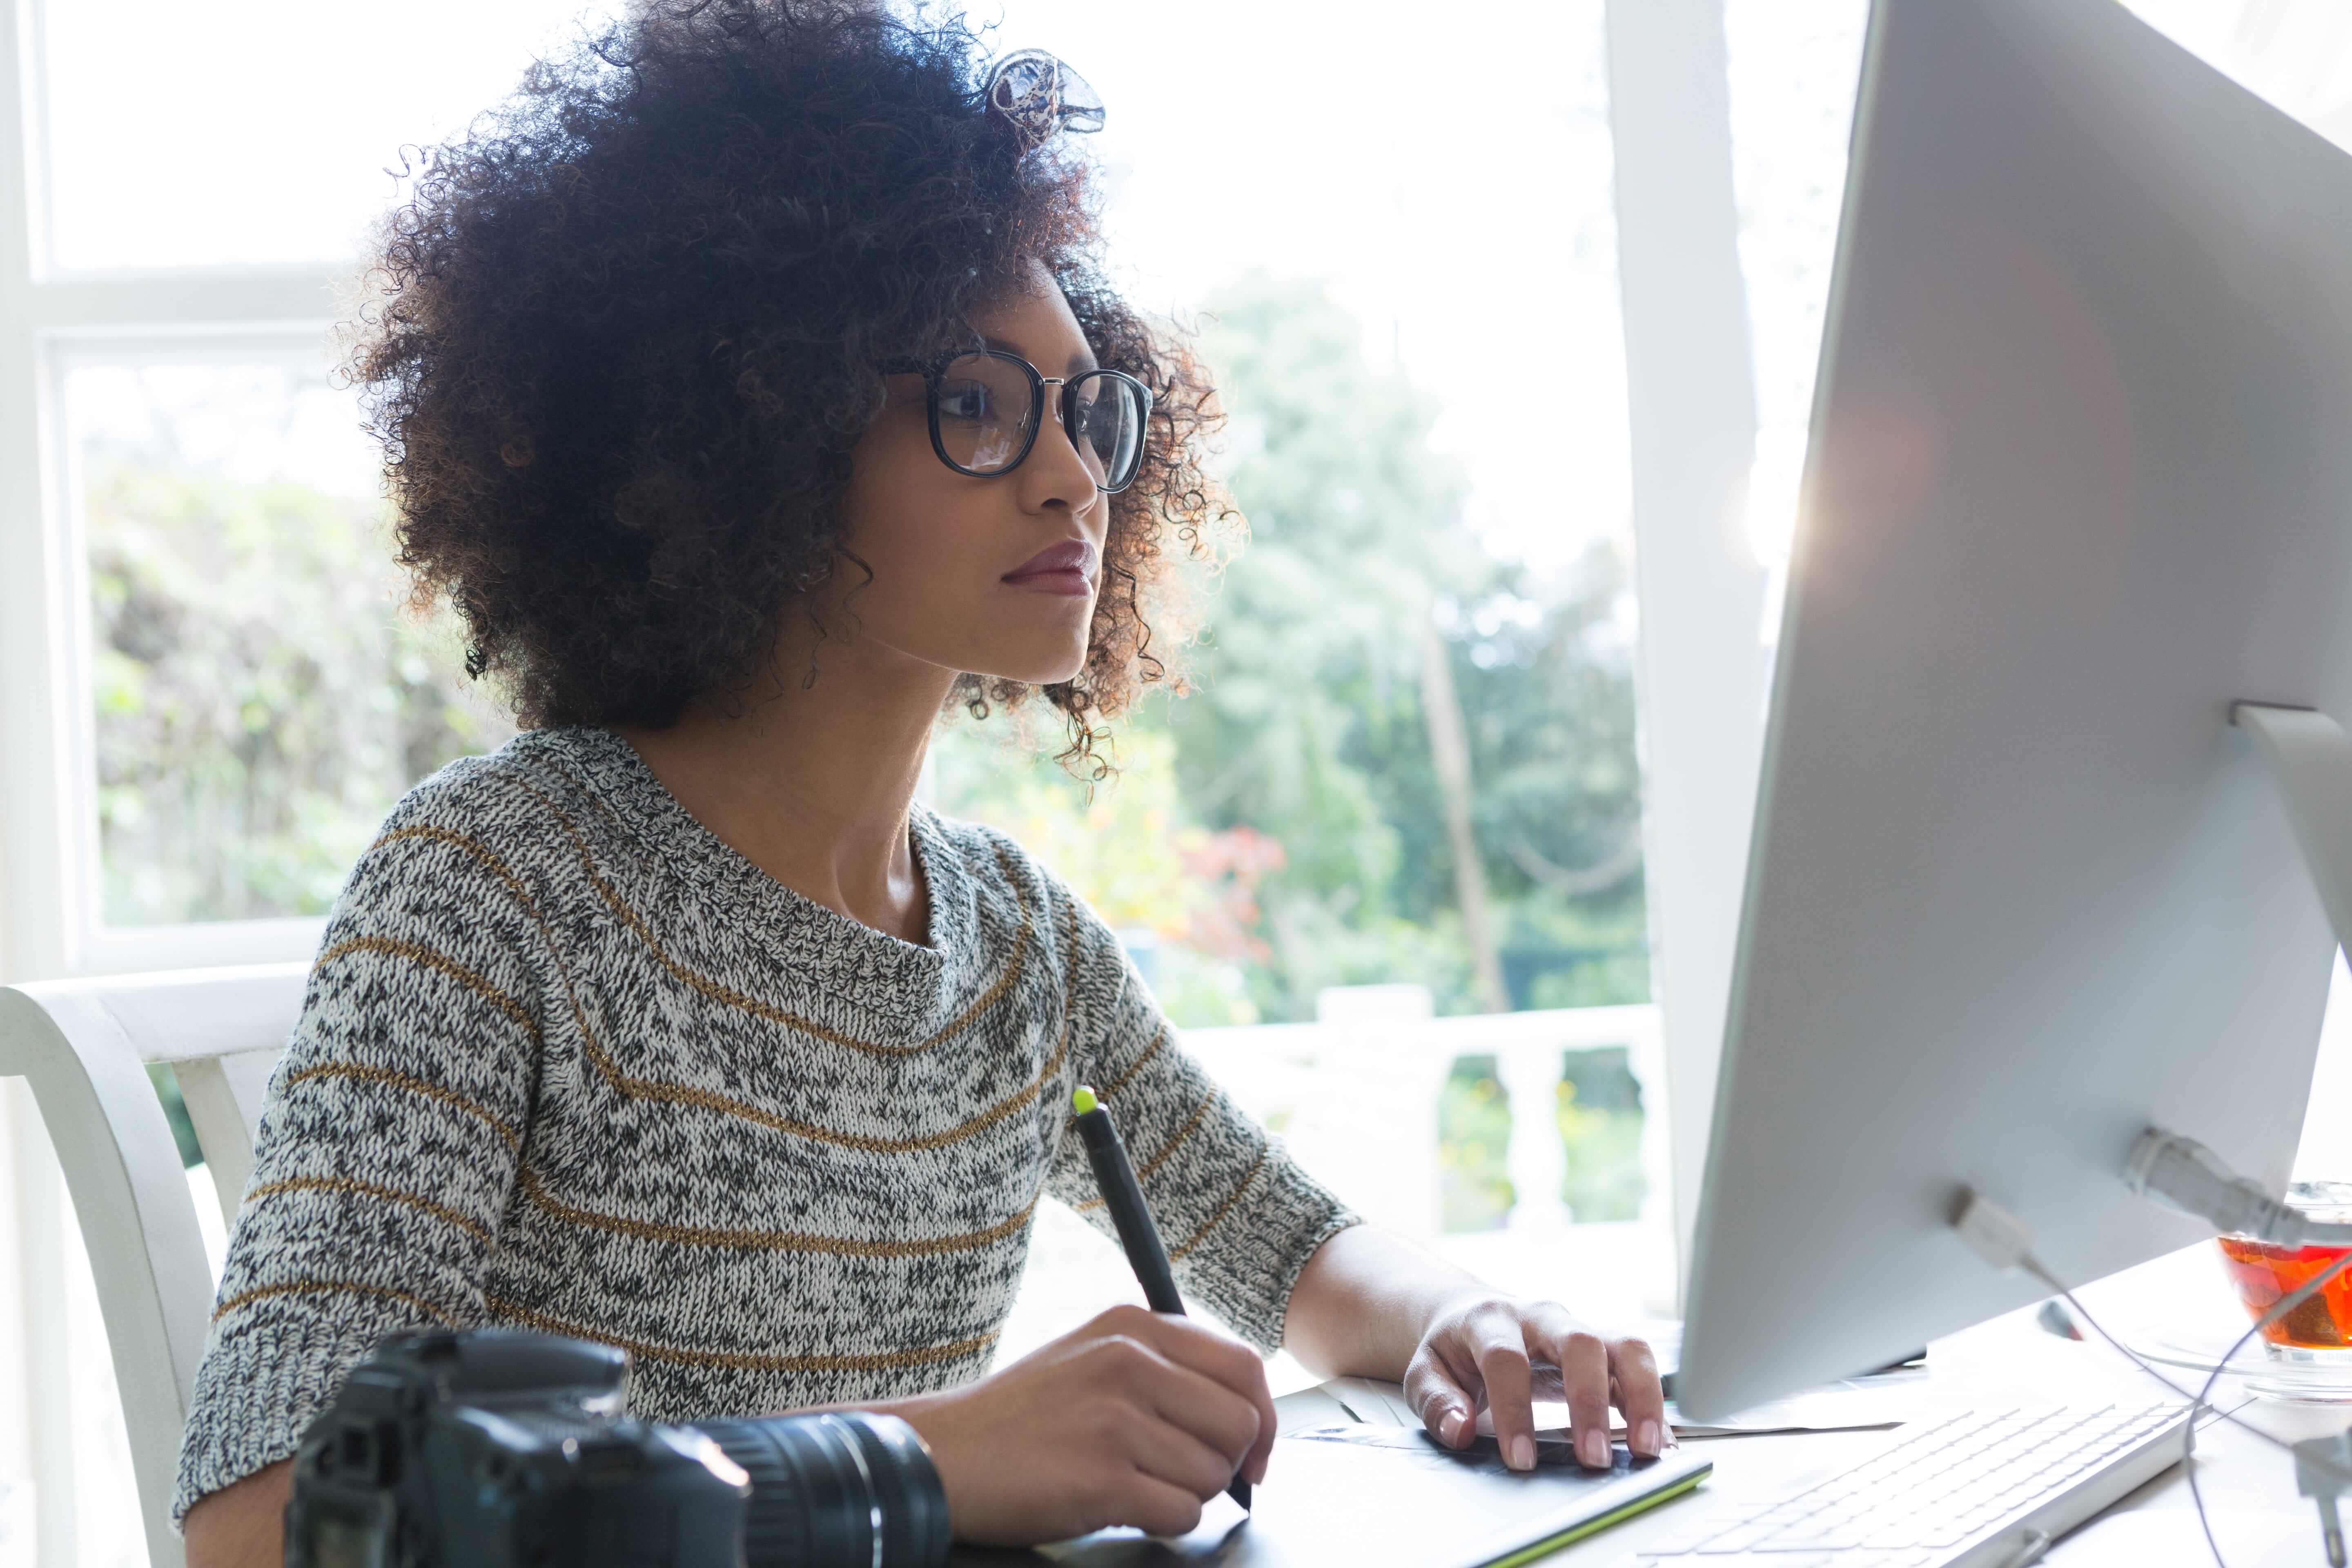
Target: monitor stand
2311,758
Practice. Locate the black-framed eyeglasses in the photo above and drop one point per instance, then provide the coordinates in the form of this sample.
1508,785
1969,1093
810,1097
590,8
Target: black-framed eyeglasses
986,406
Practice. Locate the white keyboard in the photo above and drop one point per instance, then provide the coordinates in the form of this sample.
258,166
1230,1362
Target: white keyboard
1990,1488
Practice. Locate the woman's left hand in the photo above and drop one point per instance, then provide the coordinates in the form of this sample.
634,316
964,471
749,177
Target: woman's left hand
1501,1353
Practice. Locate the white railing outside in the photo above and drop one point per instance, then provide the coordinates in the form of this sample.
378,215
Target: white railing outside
1355,1098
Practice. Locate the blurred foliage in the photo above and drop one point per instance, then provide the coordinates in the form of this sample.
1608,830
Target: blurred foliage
1600,1113
175,1111
260,701
1132,853
1281,830
1474,1142
1296,783
1599,1110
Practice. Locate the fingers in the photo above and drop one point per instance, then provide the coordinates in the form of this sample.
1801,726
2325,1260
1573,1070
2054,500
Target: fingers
1640,1395
1222,1360
1156,1507
1501,1349
1208,1388
1596,1372
1583,1362
1448,1409
1478,1356
1504,1354
1168,1453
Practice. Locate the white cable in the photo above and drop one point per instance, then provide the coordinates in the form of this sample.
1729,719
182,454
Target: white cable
2188,1175
2182,1173
2202,1398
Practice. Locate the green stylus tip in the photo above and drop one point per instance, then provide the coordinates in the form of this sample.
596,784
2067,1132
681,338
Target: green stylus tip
1084,1100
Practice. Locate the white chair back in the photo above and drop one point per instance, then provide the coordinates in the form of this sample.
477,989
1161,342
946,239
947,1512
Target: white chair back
84,1046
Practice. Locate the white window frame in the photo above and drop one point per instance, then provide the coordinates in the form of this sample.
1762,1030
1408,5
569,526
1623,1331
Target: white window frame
50,922
1700,681
51,322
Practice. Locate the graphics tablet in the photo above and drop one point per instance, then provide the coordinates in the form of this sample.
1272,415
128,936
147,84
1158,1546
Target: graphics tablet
1370,1496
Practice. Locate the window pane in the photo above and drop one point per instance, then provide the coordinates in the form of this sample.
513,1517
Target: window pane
258,702
1792,76
1404,799
260,131
1411,758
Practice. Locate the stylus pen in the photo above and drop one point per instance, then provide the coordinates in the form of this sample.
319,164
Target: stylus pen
1123,1196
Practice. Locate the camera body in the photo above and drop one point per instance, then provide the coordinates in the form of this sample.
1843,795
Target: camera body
491,1447
504,1448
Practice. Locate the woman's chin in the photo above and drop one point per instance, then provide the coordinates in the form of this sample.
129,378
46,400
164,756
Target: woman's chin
1038,669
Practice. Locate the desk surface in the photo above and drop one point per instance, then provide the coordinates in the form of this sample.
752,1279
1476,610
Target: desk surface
2258,1520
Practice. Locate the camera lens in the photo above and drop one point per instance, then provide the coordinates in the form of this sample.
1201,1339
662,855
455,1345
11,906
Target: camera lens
914,1504
836,1489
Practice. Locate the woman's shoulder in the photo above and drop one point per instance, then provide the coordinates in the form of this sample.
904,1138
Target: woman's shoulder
990,855
518,781
993,857
501,815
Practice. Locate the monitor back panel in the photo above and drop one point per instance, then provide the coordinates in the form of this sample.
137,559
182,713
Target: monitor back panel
2081,476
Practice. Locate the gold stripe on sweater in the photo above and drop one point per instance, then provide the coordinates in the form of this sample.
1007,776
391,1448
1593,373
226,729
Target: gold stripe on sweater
536,1189
335,1287
709,1100
1069,983
744,1361
1135,1065
479,851
1150,1167
643,1089
413,1085
350,1184
771,1240
1104,1094
417,953
1226,1207
719,990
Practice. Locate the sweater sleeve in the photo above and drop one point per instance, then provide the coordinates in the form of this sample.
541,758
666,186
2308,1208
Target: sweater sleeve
1238,1215
386,1150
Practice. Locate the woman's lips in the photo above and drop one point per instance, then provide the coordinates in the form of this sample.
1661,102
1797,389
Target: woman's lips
1065,568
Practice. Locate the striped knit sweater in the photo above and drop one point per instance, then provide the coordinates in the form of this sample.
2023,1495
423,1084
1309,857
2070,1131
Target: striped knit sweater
567,1061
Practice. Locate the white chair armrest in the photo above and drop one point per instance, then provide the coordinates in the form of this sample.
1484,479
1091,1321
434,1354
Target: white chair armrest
131,1200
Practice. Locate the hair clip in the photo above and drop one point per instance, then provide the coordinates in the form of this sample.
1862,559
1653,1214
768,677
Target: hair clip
1039,95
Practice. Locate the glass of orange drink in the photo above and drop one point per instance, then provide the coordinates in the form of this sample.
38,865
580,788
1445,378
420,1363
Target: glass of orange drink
2309,1349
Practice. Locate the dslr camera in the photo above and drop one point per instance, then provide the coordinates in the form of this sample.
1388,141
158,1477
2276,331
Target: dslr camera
501,1448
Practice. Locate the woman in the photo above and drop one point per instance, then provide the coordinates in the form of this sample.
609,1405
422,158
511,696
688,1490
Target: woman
751,387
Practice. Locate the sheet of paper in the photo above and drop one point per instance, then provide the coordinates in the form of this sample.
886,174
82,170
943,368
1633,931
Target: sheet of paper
1857,1405
1378,1404
1368,1495
1308,1407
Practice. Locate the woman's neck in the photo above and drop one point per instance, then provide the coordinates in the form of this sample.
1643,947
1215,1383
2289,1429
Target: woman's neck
813,785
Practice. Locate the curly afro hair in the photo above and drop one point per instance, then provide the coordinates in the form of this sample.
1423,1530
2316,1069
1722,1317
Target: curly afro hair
624,332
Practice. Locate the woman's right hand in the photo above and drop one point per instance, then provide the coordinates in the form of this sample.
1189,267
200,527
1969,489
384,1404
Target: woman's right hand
1136,1418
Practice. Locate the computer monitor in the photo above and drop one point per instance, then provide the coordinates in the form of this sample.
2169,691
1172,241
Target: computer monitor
2080,479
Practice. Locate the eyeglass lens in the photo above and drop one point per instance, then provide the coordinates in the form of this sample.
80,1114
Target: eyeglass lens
987,406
